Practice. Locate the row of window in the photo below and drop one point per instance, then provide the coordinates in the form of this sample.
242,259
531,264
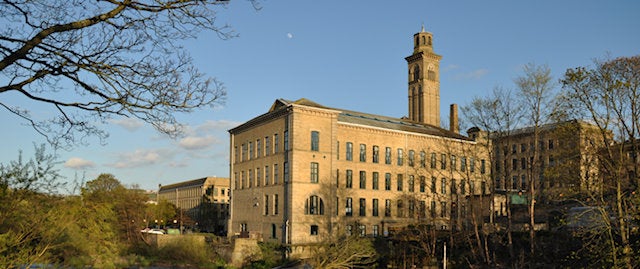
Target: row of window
411,158
412,186
271,203
261,147
251,150
314,205
522,163
523,147
263,177
515,184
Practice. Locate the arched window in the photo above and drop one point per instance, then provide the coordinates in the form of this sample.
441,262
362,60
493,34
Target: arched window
416,73
424,41
314,206
429,41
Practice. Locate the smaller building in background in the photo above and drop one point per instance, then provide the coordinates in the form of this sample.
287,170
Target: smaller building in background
203,203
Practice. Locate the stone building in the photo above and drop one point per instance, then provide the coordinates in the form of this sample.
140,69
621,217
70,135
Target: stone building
205,201
561,162
303,170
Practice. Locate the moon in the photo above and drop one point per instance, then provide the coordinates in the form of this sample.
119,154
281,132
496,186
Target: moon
289,35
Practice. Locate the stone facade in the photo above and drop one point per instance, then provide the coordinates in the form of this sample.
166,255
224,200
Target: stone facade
205,201
303,170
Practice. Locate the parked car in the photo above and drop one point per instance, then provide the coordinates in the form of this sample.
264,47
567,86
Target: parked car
152,231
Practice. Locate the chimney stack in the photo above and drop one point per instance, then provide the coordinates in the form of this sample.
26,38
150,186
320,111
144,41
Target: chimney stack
453,119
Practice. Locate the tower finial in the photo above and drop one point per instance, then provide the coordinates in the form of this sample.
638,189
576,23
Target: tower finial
422,30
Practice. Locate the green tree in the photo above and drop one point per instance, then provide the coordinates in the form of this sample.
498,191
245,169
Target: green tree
608,95
93,60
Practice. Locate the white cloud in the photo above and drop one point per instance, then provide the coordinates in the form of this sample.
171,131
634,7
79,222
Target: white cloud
475,74
218,125
197,142
79,163
131,124
449,68
141,157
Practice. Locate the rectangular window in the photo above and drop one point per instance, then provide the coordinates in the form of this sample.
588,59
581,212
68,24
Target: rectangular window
514,182
412,208
250,178
314,230
400,156
337,150
374,209
286,172
363,180
363,153
267,172
523,182
266,205
276,142
349,156
433,209
376,230
523,164
275,174
514,164
400,212
550,144
411,184
315,141
376,153
314,172
236,154
267,145
286,140
454,188
463,164
463,186
423,184
443,209
453,162
433,161
387,208
399,182
244,152
387,181
375,184
363,230
275,204
422,210
423,159
349,207
387,155
363,207
259,147
433,184
523,147
483,166
258,177
443,186
244,179
443,161
412,157
472,165
349,230
349,183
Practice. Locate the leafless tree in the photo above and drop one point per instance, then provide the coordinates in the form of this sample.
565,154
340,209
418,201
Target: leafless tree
89,61
496,116
537,89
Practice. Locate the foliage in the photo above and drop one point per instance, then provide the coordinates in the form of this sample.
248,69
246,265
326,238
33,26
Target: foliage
344,252
89,61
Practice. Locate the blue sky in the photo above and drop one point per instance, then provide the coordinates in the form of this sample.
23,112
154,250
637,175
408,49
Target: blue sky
345,54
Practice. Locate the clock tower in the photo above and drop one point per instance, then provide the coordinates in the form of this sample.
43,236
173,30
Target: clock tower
424,80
